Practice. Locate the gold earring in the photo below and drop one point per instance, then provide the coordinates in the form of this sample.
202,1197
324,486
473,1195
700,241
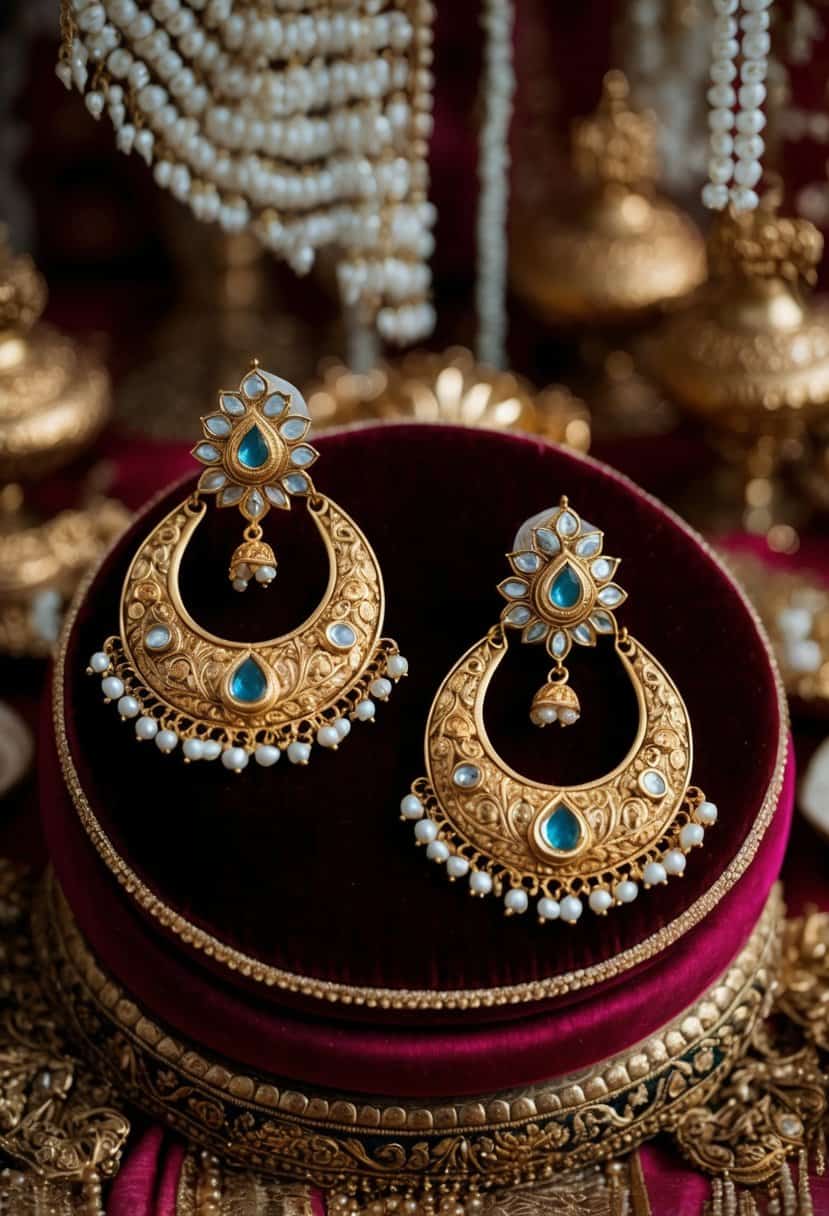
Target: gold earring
559,846
217,697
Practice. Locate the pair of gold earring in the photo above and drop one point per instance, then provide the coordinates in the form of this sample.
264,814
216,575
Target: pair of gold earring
212,698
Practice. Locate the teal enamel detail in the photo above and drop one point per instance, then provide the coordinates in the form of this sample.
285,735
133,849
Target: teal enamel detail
248,682
566,589
562,830
253,451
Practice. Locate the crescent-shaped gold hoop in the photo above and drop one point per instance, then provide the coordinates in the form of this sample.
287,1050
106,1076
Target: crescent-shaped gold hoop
218,697
559,845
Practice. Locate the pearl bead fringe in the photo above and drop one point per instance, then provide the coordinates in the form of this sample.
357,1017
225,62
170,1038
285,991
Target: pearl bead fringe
324,143
420,809
734,167
235,753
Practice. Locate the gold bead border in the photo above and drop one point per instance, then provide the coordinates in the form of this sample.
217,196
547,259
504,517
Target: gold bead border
415,999
336,1141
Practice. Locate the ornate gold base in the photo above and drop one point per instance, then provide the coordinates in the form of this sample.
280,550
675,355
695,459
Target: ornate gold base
342,1142
739,1105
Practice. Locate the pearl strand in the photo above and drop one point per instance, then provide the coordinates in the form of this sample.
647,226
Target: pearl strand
493,173
307,154
735,167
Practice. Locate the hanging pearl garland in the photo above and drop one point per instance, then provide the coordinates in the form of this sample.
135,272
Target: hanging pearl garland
493,173
306,125
734,168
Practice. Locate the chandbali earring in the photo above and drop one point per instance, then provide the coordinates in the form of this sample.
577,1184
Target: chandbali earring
216,697
559,846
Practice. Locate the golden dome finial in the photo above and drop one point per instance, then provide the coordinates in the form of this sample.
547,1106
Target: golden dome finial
22,288
764,245
616,144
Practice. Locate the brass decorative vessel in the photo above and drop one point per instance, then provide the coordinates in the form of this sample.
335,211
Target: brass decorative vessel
54,400
54,396
616,249
449,387
751,349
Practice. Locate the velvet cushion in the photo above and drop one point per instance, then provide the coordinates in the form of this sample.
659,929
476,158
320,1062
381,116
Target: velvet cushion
310,870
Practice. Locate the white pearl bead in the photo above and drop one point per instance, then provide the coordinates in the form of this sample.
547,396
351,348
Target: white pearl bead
721,143
721,95
381,689
480,882
600,900
239,584
654,874
720,170
342,726
548,909
299,753
692,835
166,741
571,909
328,736
744,199
99,662
749,147
544,715
146,728
266,755
193,749
425,830
752,95
750,122
516,900
626,891
457,866
211,749
756,45
568,716
748,172
129,707
437,851
265,574
411,807
235,758
723,71
94,102
112,688
720,120
706,812
674,861
397,666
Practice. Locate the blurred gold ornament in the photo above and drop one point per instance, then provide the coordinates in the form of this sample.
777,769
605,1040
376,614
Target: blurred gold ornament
54,399
617,249
449,387
751,349
54,396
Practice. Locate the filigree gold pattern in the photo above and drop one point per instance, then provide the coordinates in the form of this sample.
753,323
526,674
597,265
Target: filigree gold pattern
805,980
496,819
185,681
55,1114
329,1139
771,1106
209,1188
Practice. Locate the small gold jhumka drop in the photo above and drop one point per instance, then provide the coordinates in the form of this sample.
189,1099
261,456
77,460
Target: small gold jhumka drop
210,697
558,846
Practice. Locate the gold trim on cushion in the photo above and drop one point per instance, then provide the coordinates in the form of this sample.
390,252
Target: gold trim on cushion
334,1140
394,998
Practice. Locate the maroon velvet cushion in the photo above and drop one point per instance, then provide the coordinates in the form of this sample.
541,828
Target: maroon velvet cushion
310,869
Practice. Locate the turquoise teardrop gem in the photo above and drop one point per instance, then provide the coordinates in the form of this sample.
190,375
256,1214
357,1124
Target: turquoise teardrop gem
253,451
566,589
248,682
562,829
